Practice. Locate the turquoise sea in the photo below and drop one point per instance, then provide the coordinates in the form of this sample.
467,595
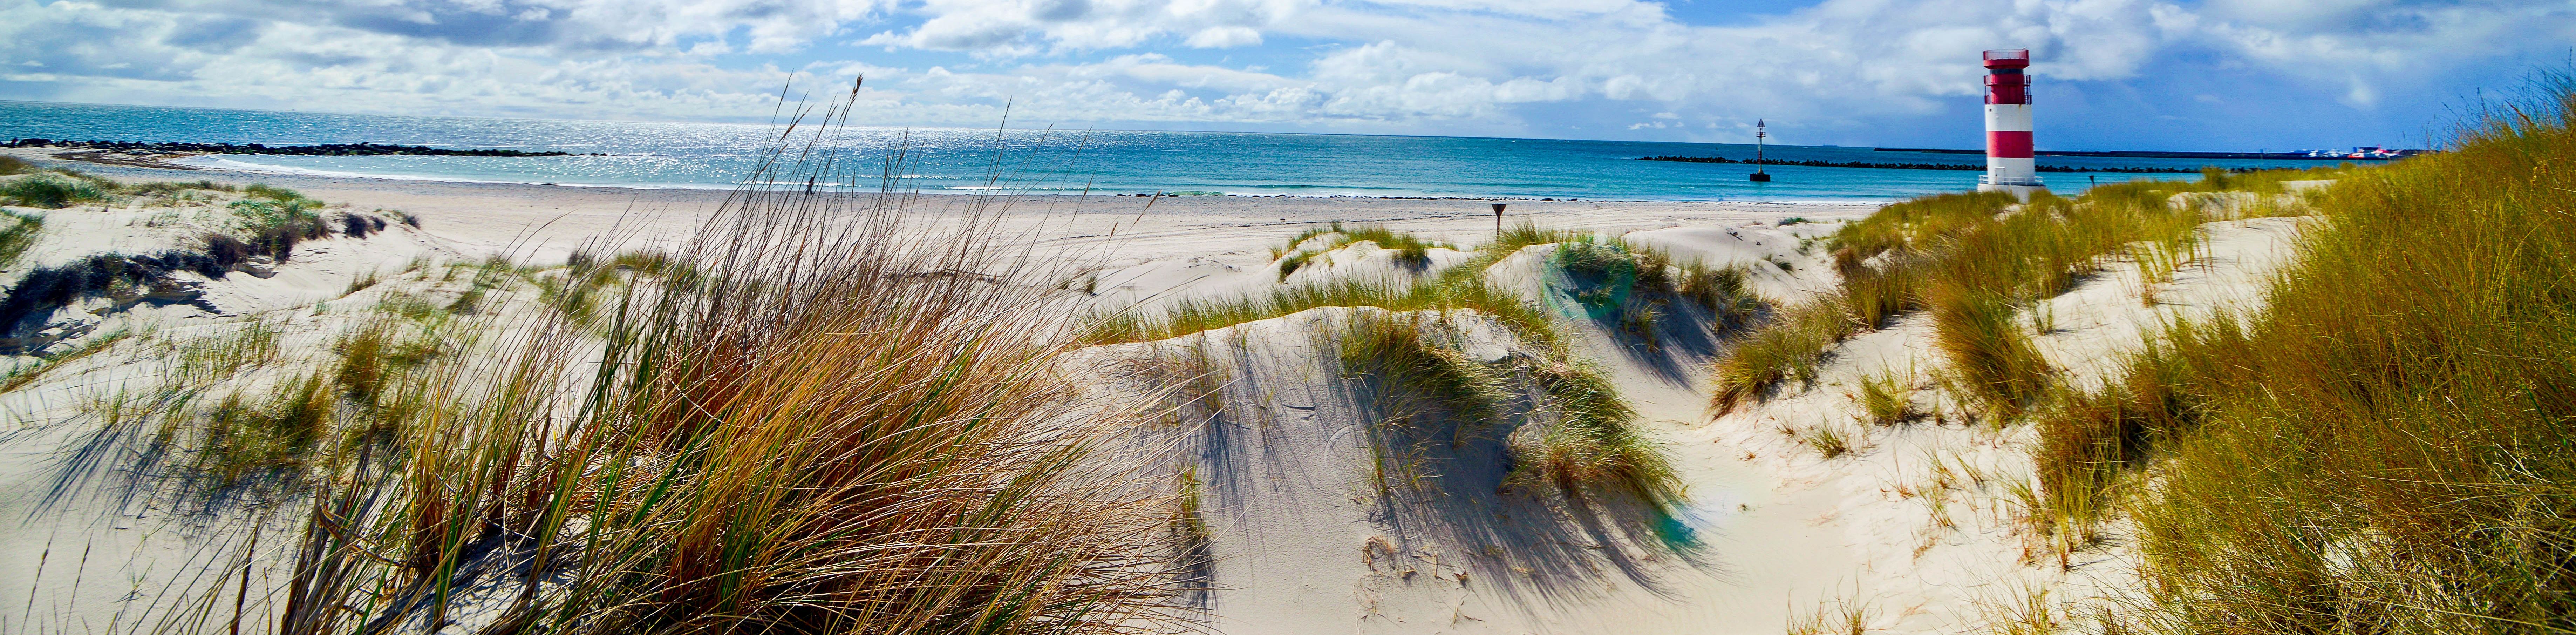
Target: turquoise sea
707,155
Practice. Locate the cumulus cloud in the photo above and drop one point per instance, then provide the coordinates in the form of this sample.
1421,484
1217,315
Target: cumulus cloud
573,25
1557,67
1024,27
91,52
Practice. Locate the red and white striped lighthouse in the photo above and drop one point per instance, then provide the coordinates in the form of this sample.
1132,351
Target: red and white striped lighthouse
2008,162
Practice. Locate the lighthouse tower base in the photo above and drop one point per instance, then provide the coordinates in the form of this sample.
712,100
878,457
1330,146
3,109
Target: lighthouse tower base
2022,192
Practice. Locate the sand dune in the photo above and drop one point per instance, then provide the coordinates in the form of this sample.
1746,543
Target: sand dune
1914,529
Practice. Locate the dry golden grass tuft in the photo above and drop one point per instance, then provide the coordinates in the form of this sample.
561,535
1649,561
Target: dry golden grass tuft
1973,261
820,415
1791,346
2385,447
1586,439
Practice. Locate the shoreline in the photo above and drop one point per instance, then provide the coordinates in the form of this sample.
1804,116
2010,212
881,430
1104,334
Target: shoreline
168,162
1951,167
548,222
2167,154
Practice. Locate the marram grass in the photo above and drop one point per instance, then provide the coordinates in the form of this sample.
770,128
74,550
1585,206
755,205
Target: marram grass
1582,440
1588,443
1195,316
1971,261
805,433
1790,346
2389,445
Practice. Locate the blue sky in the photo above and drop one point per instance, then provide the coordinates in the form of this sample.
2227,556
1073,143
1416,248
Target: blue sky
2112,74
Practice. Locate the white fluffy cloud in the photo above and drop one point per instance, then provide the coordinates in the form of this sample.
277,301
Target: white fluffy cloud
1019,27
1550,67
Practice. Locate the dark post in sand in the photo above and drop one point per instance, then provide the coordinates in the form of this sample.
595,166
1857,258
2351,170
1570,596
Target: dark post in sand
1498,219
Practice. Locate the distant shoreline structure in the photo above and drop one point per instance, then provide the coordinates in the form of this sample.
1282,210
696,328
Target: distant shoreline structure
2150,154
1968,167
683,155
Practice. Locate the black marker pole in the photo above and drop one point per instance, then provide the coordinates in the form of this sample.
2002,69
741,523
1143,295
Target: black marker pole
1759,175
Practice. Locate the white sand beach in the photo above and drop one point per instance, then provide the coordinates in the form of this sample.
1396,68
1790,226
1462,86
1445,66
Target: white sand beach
1915,528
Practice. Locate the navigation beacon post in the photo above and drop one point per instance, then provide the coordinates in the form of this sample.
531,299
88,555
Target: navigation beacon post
1758,175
